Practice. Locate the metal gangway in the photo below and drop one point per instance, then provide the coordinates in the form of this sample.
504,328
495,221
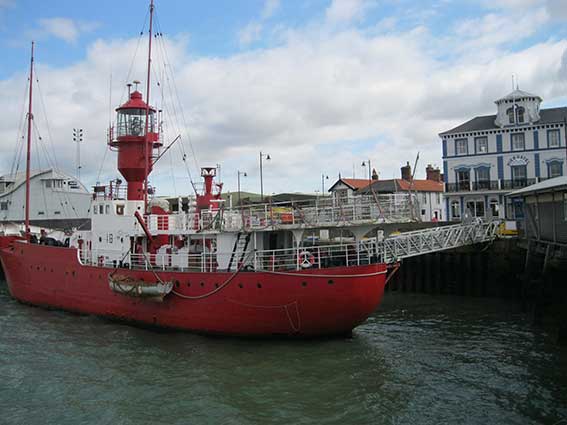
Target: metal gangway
425,241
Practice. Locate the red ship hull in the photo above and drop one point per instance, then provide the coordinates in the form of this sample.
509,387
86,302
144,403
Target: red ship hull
304,303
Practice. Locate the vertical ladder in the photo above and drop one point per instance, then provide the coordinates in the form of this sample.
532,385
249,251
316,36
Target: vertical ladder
239,249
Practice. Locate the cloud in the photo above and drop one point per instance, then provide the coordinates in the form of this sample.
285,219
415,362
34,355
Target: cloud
344,11
65,29
270,7
318,102
252,31
557,9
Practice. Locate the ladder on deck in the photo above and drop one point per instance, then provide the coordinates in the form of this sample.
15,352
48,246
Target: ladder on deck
239,250
425,241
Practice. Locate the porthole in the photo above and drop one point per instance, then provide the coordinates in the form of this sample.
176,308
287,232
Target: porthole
259,285
304,284
240,285
202,284
330,282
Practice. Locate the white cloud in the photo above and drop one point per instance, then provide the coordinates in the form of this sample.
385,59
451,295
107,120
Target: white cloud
557,9
65,29
253,30
344,11
250,33
319,102
270,7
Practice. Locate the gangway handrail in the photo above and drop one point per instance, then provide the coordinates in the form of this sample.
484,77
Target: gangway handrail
425,241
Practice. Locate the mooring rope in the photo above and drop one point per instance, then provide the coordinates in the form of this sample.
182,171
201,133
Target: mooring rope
221,287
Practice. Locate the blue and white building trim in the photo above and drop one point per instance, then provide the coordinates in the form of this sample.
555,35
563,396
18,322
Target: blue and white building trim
489,156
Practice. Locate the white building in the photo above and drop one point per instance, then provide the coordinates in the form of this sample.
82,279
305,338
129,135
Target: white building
344,190
428,193
56,199
489,156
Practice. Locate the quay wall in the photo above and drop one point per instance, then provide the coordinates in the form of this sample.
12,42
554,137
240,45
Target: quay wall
486,270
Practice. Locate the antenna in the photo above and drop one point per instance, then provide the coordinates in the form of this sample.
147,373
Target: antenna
129,85
136,82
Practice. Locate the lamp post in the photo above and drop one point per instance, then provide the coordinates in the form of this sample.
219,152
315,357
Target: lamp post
262,155
78,138
364,163
243,174
323,178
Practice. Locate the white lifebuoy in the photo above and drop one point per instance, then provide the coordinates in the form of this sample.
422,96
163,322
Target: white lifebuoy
305,259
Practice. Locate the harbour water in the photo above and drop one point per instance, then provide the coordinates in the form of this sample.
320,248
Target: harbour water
419,359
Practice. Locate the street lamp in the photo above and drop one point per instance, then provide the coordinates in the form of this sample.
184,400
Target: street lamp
78,137
369,168
323,178
243,174
262,155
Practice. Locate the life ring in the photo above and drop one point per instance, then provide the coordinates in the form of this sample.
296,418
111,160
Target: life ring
305,259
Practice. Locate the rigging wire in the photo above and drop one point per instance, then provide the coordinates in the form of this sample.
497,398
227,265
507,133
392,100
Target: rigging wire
167,107
174,84
44,111
20,134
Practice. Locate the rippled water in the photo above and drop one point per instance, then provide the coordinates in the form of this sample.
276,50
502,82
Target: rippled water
419,359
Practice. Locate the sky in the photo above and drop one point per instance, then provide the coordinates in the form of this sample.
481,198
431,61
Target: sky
320,85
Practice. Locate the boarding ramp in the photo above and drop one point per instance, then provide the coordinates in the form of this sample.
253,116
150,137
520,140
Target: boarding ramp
426,241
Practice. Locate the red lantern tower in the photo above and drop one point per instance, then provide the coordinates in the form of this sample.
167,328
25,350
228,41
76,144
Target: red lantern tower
132,143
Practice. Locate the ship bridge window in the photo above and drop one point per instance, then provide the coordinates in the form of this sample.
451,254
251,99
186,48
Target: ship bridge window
132,122
101,209
3,206
107,209
119,209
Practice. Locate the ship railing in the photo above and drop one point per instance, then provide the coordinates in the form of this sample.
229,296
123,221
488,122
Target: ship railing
171,223
112,191
194,262
317,257
298,258
379,208
393,208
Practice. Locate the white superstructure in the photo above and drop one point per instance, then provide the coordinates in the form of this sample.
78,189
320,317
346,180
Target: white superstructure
55,197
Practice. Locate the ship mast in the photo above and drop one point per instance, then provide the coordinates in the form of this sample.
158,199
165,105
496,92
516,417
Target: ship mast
28,155
146,155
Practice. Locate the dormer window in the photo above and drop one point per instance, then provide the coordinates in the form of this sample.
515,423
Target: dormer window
510,113
520,112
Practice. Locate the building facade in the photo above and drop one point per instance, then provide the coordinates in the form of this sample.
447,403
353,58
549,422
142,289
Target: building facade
489,156
428,193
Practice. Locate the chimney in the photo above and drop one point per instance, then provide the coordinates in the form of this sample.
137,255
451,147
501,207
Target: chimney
406,172
433,173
